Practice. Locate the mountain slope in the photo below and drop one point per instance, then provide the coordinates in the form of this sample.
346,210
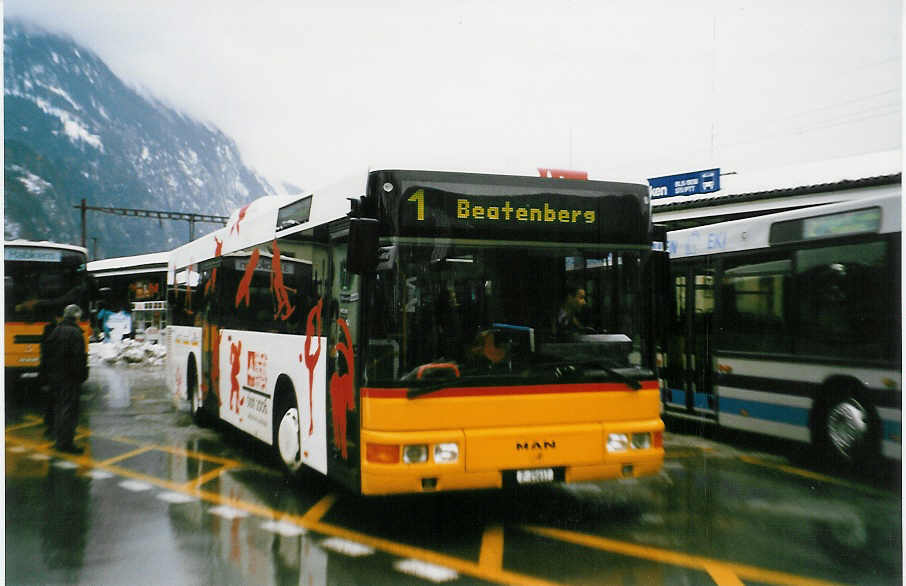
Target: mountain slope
73,130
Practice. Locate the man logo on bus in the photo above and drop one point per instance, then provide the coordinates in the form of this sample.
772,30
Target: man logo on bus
341,398
311,360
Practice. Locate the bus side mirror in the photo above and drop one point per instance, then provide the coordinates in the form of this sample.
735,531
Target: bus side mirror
361,255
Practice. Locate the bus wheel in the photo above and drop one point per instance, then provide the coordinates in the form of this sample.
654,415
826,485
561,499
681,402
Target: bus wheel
286,433
196,401
848,429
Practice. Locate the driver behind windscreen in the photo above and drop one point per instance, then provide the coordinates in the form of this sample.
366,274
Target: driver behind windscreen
568,318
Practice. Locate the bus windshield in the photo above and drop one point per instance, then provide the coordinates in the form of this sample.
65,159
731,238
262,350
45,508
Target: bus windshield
515,312
51,277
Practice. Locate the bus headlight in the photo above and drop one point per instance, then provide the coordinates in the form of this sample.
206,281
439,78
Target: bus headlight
448,452
641,441
415,454
617,442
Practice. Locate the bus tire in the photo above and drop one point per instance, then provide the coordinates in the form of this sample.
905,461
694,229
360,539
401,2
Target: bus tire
848,428
286,443
196,401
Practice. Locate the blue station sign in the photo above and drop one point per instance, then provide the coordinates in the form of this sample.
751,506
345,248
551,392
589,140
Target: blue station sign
694,183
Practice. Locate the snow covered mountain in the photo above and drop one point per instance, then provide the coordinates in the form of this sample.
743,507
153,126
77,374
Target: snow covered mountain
74,130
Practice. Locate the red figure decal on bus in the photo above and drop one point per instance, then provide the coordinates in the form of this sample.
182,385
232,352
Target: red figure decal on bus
235,351
279,289
246,282
341,396
212,284
239,218
215,363
311,360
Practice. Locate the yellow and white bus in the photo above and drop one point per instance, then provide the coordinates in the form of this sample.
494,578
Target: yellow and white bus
39,280
398,333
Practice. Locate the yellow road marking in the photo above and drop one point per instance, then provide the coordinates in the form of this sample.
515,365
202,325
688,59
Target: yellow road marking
199,456
723,568
178,451
317,512
460,565
307,521
205,478
491,556
34,421
487,568
812,475
722,575
126,456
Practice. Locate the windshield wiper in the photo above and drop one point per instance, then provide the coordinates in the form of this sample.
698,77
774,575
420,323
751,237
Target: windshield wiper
427,388
633,383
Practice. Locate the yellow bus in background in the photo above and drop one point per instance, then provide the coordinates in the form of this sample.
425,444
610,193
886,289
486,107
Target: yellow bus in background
40,279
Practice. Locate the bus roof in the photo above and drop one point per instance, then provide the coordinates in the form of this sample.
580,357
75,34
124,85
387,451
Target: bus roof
754,233
46,244
256,223
130,265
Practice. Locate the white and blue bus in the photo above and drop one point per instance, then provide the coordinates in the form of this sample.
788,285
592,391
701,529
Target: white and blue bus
789,325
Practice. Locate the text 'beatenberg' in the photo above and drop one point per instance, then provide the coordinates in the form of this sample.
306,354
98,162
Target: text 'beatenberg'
467,210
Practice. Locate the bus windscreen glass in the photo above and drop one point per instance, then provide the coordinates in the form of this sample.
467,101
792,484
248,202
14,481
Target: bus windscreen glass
29,273
475,312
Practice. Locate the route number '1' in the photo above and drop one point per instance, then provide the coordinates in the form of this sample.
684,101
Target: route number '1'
419,198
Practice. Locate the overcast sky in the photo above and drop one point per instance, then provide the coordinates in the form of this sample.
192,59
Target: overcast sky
315,91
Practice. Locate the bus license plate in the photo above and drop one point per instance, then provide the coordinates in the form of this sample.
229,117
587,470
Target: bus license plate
534,475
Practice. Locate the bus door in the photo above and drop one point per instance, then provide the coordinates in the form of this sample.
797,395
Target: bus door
341,320
689,386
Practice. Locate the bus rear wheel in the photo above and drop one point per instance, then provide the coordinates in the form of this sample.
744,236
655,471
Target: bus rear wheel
286,434
848,430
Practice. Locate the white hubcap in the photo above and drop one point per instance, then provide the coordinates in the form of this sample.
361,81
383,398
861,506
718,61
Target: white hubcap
847,426
288,438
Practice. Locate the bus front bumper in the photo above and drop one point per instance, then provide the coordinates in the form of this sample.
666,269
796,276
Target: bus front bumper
497,458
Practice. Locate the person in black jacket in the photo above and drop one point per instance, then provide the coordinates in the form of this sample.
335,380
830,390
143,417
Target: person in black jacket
43,382
67,370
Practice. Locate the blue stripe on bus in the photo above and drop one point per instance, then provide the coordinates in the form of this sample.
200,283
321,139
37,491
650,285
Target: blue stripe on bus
767,411
893,430
676,397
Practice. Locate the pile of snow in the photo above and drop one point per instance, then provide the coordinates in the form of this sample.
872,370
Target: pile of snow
128,352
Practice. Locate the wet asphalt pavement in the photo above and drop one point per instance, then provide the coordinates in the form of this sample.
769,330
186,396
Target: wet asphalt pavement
156,500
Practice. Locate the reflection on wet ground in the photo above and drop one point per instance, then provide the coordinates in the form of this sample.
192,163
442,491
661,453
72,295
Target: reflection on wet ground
157,500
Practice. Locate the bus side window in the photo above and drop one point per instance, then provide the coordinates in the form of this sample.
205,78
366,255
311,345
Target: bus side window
843,300
755,310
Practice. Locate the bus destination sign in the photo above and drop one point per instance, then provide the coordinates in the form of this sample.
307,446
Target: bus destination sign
474,215
427,204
